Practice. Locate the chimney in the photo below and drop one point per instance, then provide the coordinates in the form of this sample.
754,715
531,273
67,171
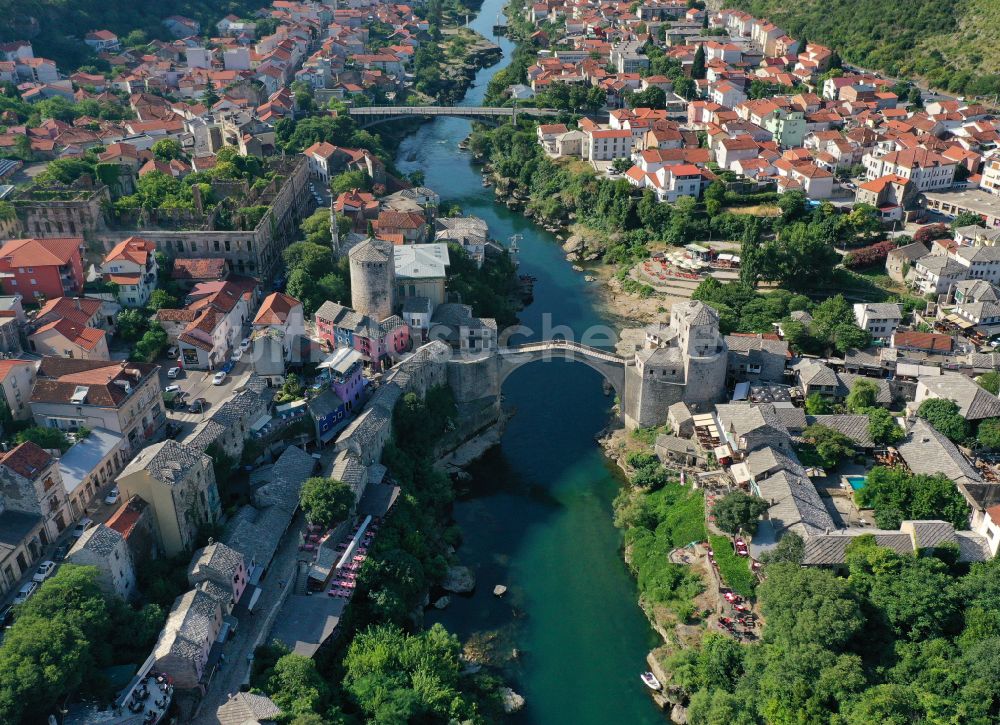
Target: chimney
77,301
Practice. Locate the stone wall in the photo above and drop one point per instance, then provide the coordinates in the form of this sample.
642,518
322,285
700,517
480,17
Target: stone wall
256,252
71,212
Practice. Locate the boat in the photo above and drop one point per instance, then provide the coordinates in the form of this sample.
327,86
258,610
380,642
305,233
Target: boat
650,681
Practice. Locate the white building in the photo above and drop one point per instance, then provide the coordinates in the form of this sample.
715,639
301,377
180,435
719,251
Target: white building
132,266
879,320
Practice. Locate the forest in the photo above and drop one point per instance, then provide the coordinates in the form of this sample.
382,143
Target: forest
949,44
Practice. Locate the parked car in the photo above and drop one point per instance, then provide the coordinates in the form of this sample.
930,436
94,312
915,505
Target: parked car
172,389
173,372
237,354
172,351
60,552
227,366
25,592
6,616
197,405
112,497
172,430
44,571
245,344
219,378
85,523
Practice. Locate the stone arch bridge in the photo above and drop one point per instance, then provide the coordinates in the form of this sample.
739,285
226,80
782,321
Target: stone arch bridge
609,365
374,115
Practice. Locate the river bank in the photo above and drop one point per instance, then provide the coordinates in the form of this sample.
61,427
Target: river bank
586,248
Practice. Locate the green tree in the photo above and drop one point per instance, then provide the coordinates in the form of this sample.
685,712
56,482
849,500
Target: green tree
988,435
698,64
809,607
167,149
791,549
349,181
882,427
830,446
161,299
326,501
290,390
737,511
816,404
944,416
990,381
151,344
966,219
862,396
49,438
209,97
652,97
296,686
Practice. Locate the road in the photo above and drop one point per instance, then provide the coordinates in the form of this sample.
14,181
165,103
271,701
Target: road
198,384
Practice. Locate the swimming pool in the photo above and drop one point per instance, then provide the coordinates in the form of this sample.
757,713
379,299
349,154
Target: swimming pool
857,482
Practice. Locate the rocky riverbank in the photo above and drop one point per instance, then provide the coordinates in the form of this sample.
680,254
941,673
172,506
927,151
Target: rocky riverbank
585,248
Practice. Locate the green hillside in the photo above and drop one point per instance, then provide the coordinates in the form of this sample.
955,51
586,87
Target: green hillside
56,27
951,44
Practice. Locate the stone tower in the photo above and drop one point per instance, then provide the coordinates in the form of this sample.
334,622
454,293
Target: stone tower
373,278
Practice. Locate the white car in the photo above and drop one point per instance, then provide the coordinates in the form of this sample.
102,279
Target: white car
112,497
45,569
25,592
237,354
173,372
172,389
81,527
219,378
172,351
245,344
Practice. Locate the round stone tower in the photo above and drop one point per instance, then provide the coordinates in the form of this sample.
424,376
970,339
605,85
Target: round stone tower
373,278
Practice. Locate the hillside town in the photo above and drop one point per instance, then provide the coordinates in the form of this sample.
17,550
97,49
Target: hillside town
245,358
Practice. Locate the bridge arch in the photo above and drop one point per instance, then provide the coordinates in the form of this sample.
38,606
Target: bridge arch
610,366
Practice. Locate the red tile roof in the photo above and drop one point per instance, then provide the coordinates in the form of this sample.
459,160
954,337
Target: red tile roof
86,337
133,249
275,309
27,460
79,310
41,252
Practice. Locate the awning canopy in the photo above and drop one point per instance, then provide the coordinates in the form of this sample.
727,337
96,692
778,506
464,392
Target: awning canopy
740,473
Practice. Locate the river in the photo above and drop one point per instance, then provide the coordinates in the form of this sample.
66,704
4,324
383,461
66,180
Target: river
538,514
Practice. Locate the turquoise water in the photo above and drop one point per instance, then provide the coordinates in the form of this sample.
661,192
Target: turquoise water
537,517
857,482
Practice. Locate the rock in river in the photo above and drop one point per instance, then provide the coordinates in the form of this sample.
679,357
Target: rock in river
573,244
499,590
459,580
442,602
512,702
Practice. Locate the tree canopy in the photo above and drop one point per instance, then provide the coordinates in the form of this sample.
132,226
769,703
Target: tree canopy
326,501
737,511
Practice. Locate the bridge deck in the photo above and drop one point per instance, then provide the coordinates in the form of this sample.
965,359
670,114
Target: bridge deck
565,346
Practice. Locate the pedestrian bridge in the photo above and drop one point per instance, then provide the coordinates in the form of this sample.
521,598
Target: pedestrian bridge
608,364
374,115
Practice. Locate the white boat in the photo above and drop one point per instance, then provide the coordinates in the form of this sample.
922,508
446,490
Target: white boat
650,681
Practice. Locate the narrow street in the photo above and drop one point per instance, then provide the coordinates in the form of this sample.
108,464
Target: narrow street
239,650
